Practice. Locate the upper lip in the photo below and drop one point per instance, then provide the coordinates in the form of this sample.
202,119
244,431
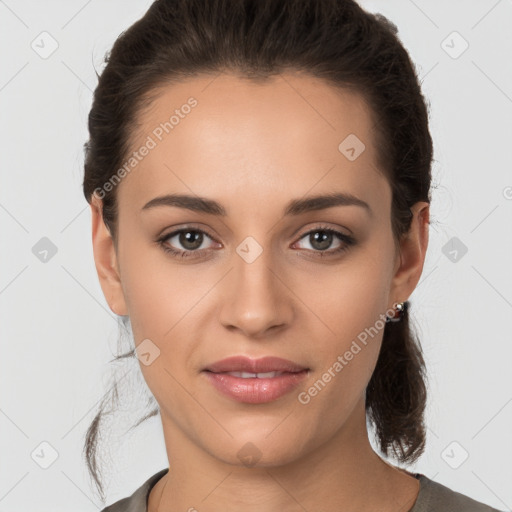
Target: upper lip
262,365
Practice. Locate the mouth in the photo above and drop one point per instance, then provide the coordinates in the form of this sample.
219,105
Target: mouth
255,381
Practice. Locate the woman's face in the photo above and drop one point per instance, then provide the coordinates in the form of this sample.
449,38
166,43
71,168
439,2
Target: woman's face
258,274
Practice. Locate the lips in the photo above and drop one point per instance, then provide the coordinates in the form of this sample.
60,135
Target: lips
263,365
255,381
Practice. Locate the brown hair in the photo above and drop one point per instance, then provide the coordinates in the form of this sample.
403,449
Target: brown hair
335,40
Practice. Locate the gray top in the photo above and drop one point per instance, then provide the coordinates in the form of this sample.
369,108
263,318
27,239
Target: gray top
432,497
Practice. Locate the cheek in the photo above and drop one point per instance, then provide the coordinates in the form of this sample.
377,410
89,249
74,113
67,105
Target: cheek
345,361
157,294
163,302
345,310
345,299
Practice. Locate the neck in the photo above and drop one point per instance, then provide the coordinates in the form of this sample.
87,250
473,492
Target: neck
345,470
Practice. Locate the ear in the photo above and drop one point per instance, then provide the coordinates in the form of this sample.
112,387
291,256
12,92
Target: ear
413,248
105,260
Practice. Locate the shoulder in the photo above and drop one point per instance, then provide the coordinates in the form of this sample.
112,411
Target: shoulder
436,497
138,501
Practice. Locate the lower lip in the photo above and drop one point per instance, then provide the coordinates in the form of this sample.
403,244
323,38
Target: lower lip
254,390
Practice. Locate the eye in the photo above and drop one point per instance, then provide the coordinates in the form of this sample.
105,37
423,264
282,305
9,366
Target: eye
192,242
321,238
191,239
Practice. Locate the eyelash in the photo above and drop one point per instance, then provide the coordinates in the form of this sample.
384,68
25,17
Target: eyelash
347,240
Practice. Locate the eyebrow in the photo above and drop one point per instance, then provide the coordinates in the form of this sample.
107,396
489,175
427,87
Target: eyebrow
294,207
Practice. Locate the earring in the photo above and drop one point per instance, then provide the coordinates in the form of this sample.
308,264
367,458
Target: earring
400,308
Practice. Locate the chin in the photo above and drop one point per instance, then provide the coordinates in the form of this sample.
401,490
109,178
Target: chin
259,451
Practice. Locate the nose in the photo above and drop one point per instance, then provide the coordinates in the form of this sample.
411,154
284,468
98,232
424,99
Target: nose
256,297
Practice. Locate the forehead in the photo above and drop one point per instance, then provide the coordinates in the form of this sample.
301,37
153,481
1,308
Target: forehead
222,135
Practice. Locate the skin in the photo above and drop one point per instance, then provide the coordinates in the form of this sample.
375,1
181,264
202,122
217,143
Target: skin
254,147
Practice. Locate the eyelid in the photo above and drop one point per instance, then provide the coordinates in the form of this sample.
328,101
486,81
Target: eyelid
186,227
322,226
197,227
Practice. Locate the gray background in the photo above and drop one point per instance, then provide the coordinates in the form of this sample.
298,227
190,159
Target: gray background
58,334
